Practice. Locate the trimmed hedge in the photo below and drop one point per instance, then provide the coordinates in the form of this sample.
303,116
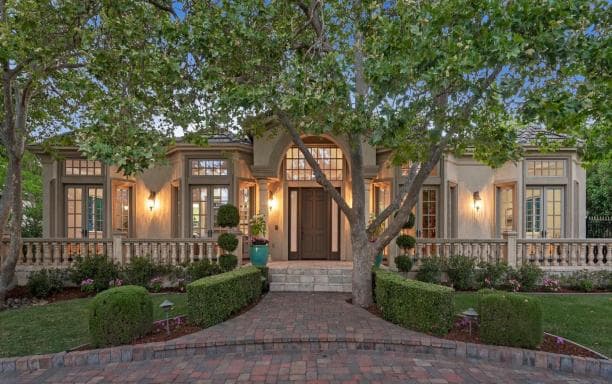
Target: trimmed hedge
228,262
510,319
214,299
414,304
119,315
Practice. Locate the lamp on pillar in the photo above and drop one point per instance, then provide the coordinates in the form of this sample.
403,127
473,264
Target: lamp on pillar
477,201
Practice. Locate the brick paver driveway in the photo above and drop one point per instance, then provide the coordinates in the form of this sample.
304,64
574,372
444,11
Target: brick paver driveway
294,317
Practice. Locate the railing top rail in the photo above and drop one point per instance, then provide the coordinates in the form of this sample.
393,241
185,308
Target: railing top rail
564,240
174,240
60,239
453,240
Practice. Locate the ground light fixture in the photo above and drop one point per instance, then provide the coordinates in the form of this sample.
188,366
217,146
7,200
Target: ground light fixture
471,315
167,306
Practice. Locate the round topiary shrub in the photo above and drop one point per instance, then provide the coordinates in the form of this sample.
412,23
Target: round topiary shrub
410,222
405,242
120,315
228,216
228,242
403,263
228,262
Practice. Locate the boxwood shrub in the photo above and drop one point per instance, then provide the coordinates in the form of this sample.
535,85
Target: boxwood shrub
414,304
120,315
214,299
510,319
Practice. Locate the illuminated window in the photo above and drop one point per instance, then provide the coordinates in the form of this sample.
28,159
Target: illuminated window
245,206
204,200
329,158
545,167
506,208
121,209
74,167
201,167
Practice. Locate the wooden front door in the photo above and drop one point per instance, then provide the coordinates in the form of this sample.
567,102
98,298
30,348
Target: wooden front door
314,224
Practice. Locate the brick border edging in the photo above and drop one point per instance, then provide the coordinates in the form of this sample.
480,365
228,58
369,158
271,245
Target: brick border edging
512,357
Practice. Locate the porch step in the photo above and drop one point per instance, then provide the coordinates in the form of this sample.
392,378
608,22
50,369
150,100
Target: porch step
301,277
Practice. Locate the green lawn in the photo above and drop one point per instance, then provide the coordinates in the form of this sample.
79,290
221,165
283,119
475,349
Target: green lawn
60,326
585,319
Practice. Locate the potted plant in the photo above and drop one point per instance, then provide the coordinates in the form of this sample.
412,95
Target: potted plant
373,237
259,250
228,217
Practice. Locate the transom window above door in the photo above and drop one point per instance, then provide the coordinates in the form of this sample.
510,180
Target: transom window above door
545,167
208,167
328,156
80,167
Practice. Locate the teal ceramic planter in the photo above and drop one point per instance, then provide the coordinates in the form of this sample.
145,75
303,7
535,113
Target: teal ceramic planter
259,255
378,260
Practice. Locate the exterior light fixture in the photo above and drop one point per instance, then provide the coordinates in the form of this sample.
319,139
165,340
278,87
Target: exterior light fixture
471,315
271,202
151,201
477,201
167,306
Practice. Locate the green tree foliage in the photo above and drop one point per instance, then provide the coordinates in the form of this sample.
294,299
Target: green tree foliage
599,188
417,77
32,192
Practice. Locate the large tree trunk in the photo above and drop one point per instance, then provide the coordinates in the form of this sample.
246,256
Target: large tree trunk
11,253
362,267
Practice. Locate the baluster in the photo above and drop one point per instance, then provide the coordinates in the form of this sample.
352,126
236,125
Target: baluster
583,254
65,255
46,255
191,251
182,256
591,255
173,253
29,257
209,250
565,257
154,246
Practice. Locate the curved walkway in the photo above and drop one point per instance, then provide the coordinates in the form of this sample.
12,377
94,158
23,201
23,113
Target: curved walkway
309,337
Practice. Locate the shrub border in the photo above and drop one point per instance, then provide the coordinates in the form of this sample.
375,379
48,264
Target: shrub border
505,356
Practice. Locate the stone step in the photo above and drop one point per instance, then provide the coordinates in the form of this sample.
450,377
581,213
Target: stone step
310,278
309,287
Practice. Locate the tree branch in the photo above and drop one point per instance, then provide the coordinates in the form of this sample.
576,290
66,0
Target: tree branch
314,19
163,7
316,169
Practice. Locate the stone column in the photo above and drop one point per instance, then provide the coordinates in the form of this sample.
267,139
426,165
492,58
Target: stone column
511,248
262,186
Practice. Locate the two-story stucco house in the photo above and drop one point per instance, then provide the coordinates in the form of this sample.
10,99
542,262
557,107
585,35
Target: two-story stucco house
541,196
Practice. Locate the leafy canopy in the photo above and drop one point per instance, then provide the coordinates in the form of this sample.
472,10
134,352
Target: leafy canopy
449,74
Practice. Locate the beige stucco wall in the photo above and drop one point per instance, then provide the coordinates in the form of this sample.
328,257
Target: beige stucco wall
261,166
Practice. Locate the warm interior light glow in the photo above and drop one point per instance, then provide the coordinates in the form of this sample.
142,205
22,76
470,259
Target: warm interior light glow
477,201
272,203
151,201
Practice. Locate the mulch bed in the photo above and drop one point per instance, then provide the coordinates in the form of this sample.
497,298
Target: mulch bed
178,327
461,332
68,293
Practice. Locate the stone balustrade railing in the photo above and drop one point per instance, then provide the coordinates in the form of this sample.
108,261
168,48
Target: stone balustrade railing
564,253
487,250
550,254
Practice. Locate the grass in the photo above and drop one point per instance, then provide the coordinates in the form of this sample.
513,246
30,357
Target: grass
60,326
585,319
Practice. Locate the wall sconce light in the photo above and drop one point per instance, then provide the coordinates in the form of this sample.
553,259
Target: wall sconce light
151,201
477,201
271,202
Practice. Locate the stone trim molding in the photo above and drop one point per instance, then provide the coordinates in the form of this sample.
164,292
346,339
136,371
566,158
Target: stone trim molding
506,356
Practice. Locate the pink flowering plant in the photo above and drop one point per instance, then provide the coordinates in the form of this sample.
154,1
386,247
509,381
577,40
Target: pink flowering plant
551,285
115,283
88,286
155,285
514,285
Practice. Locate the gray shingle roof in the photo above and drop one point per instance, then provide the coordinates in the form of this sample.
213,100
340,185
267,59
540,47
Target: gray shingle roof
530,134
